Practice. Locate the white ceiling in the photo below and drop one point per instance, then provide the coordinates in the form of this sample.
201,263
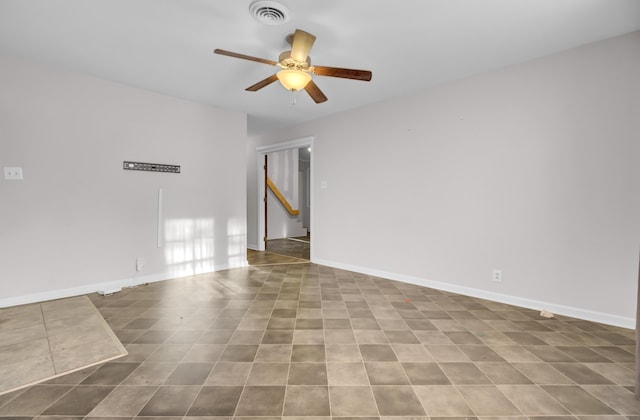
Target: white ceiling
166,45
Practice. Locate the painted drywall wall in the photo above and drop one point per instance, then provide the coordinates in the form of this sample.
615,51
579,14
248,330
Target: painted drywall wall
78,221
253,162
282,169
532,170
304,182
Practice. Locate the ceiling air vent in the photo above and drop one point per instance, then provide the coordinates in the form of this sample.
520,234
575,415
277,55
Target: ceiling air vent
269,12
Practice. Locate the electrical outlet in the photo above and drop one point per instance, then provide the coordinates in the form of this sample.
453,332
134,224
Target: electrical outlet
13,173
140,263
497,276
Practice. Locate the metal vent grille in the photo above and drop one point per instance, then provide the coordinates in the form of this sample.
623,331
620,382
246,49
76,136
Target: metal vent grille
150,167
269,12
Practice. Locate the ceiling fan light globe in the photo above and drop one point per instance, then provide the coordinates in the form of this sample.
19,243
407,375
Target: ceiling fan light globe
293,79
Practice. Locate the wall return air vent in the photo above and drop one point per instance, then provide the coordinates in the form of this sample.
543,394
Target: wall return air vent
269,12
150,167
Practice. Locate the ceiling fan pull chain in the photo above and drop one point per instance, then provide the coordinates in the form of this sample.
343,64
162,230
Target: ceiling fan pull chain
293,97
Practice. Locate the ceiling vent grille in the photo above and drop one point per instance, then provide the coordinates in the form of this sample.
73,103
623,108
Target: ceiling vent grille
269,12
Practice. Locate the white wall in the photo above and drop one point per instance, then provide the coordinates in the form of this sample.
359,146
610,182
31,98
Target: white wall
78,221
253,162
304,181
532,169
282,169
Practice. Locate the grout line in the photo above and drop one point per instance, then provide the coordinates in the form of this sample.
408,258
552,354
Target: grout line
282,263
298,240
46,331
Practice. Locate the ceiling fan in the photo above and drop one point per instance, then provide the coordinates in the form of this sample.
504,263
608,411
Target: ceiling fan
296,69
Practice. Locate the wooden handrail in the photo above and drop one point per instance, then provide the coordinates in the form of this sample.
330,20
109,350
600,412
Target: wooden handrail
281,198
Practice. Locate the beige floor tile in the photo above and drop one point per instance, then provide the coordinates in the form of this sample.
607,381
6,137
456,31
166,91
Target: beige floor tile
443,401
411,353
24,363
542,373
274,353
464,373
352,401
617,397
532,400
83,354
397,400
618,374
34,400
503,373
347,374
577,400
228,373
342,336
261,401
447,353
268,374
343,353
150,374
19,335
515,354
124,401
307,401
488,401
20,316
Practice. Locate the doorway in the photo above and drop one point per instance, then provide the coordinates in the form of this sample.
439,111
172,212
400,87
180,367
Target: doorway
286,241
287,221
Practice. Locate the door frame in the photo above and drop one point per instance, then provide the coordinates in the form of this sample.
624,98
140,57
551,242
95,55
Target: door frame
261,152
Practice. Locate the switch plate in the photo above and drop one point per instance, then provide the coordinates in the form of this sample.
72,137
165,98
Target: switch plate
13,173
323,185
140,263
497,276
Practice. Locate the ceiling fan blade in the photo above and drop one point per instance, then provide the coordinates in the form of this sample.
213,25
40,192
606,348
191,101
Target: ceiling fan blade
244,57
344,73
262,83
301,45
314,91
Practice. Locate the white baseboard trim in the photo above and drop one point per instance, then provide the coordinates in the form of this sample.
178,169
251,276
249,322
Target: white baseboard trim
253,247
62,293
570,311
111,285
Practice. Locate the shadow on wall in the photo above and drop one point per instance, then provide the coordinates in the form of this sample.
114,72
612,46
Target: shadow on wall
190,246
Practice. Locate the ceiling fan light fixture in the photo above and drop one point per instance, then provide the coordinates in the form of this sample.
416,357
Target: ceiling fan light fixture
293,79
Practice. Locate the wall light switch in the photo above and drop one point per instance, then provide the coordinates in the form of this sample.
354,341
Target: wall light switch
323,185
13,173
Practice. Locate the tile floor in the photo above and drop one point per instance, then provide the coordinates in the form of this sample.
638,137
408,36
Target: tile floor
43,340
302,340
299,247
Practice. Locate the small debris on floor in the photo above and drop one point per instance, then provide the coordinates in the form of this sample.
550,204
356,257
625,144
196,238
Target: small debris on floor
546,314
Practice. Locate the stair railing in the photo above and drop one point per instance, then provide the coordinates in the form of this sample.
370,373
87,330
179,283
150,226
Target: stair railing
281,198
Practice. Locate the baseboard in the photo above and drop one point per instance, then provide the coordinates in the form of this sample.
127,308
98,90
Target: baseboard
62,293
570,311
253,247
111,285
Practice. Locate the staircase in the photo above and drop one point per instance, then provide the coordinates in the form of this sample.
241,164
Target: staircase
298,229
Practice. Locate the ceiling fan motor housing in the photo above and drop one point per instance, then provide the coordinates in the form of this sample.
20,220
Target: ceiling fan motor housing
287,62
